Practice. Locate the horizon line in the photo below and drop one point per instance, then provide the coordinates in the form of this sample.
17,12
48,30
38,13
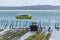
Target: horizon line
30,5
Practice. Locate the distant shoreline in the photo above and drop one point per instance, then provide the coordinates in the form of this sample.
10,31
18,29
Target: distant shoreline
29,10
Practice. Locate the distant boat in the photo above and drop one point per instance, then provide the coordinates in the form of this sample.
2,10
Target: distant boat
24,17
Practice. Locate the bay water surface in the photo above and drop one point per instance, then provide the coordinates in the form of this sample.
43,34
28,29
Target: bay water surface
45,17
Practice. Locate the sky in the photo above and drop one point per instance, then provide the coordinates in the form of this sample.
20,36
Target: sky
28,2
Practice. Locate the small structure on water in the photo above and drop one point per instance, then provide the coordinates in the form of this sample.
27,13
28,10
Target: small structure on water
24,17
33,26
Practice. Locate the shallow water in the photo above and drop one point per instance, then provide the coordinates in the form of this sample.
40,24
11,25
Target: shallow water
47,18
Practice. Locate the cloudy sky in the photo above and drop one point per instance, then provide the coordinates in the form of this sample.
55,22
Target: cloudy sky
28,2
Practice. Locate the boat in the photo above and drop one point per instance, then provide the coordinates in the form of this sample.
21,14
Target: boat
24,17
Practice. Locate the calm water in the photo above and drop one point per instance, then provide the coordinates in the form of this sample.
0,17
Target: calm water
48,17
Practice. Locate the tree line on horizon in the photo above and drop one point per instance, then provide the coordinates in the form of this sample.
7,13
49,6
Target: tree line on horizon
33,7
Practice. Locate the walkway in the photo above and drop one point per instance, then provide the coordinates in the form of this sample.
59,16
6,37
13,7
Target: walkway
3,32
55,35
26,35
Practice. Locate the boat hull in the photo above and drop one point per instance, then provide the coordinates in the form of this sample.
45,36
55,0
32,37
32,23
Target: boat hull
23,17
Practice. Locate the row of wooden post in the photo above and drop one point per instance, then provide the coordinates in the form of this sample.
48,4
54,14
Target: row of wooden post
14,24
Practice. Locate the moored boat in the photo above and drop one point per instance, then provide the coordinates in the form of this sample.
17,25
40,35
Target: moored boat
24,17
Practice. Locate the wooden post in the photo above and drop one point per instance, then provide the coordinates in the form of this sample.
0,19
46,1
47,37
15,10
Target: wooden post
6,25
19,24
12,24
16,23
